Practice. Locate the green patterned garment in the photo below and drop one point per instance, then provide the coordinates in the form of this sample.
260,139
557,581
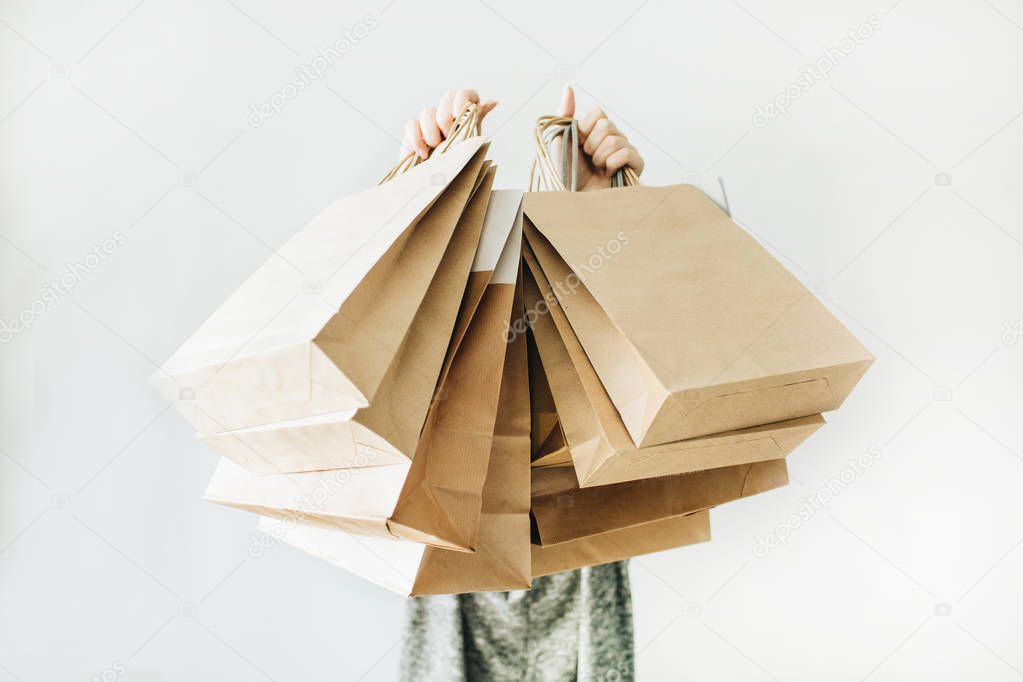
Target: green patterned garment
573,626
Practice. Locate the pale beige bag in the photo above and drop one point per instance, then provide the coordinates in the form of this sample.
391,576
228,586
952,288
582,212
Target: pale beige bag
387,430
589,434
547,440
501,559
447,474
436,498
315,330
691,325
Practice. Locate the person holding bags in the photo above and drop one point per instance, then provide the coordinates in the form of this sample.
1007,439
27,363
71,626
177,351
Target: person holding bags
454,391
575,625
484,391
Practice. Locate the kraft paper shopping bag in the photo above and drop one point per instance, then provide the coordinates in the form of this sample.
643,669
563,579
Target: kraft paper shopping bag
691,325
436,498
501,560
547,441
447,472
315,329
622,544
390,425
502,557
562,511
590,434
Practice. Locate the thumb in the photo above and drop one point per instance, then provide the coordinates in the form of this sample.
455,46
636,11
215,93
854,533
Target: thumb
567,107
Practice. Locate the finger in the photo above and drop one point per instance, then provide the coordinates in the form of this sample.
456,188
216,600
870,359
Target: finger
567,108
444,119
486,108
461,97
629,156
587,122
413,140
601,130
610,145
428,126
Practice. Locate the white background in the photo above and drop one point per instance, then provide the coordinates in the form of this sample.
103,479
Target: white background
109,557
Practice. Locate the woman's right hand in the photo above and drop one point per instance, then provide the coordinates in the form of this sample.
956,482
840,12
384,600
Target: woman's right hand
425,134
603,149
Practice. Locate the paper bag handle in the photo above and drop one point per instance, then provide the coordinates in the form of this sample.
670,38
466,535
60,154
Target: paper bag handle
467,124
547,174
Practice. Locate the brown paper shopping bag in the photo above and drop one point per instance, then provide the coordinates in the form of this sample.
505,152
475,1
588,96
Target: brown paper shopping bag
562,511
691,325
387,430
502,558
436,498
625,543
547,441
447,473
315,329
589,433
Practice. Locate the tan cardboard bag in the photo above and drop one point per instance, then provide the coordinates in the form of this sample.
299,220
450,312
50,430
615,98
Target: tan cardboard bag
315,329
547,440
387,430
501,560
622,544
598,444
436,498
447,473
691,325
562,511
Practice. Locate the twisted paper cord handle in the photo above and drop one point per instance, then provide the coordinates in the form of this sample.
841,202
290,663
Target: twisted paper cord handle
550,174
466,125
